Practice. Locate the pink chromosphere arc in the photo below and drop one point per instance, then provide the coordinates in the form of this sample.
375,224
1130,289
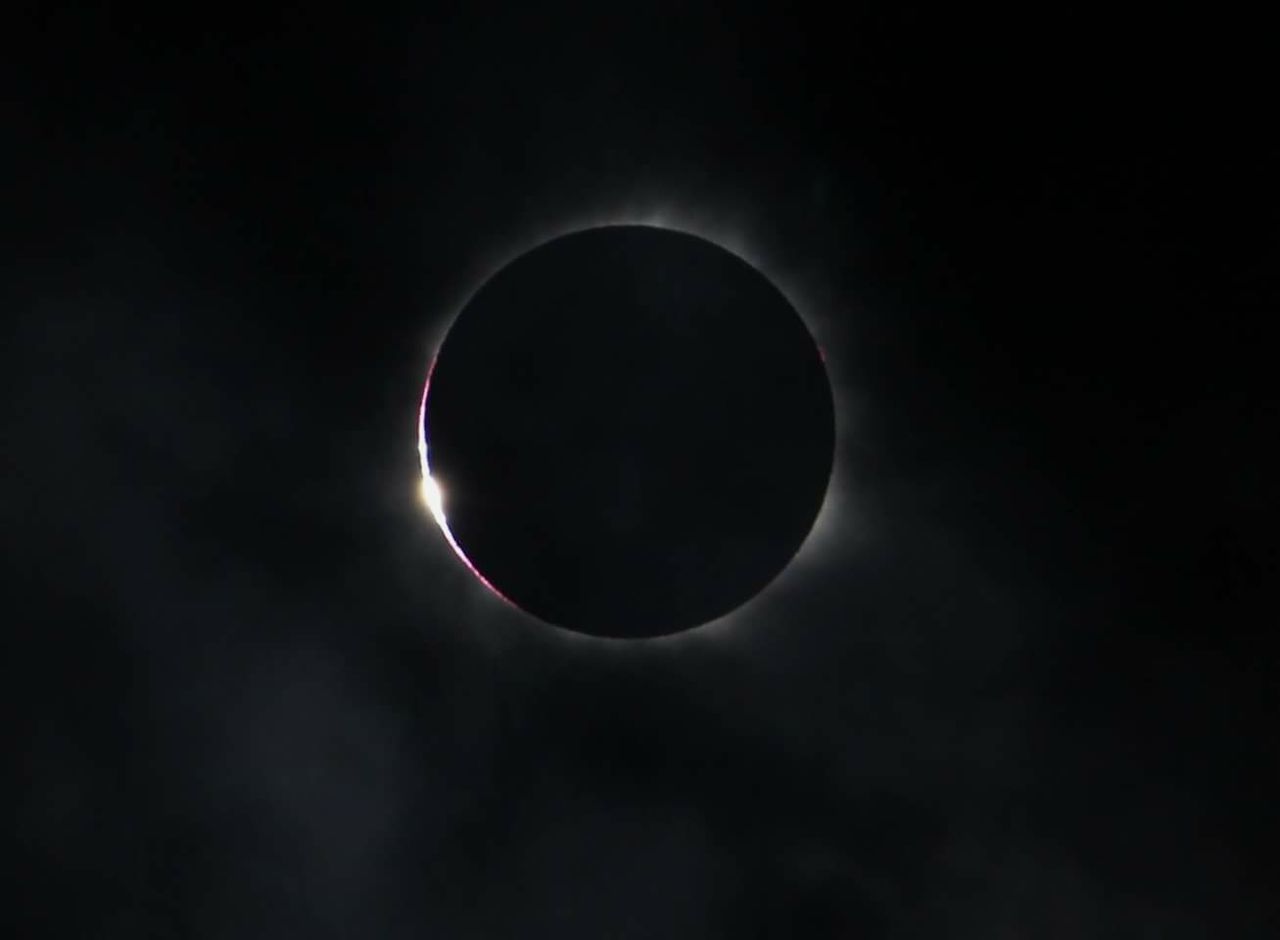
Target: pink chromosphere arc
433,494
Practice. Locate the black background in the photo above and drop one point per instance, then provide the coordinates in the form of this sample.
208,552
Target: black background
1021,684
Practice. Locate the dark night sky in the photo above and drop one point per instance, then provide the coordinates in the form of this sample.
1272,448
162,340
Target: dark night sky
1024,685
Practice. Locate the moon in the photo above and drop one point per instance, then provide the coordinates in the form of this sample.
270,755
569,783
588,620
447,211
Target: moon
627,431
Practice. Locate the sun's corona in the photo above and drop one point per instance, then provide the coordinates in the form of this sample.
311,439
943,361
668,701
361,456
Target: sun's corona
433,491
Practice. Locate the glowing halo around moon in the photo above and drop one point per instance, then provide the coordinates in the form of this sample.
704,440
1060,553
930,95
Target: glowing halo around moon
830,523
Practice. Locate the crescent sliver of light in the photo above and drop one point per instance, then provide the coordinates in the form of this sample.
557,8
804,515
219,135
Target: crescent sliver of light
433,495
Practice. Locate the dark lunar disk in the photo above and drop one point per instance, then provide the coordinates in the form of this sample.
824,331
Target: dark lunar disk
632,430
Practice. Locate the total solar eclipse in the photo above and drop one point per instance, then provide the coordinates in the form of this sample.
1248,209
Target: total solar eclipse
627,431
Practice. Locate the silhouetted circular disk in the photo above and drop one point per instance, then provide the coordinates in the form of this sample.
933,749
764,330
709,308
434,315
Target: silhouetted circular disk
632,431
